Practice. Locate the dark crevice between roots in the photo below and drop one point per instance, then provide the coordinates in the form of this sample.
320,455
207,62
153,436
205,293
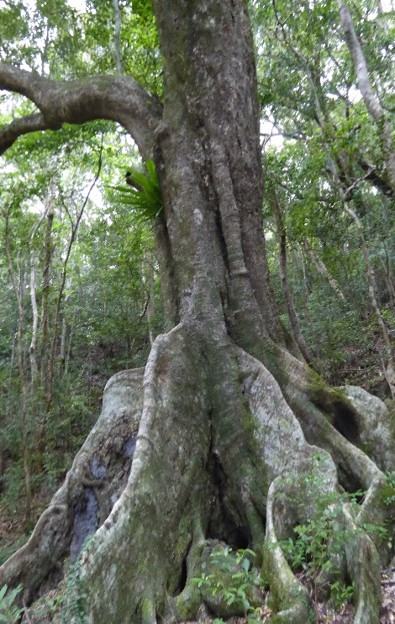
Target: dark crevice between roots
349,482
222,526
341,414
183,578
85,522
345,421
105,478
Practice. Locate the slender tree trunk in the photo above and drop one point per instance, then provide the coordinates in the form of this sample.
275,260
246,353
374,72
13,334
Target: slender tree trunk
282,238
18,286
33,342
371,100
24,411
117,44
65,329
149,308
55,331
321,268
10,376
68,351
35,380
344,196
45,304
389,369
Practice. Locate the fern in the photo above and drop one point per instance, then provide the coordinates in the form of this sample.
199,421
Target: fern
144,198
10,613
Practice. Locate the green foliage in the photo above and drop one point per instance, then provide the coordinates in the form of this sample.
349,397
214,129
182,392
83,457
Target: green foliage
340,593
313,545
143,197
48,607
110,275
316,545
309,94
389,489
244,578
9,612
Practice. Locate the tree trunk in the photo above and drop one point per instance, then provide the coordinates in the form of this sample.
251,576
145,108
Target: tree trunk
45,305
389,366
213,440
321,268
372,102
33,342
282,241
19,286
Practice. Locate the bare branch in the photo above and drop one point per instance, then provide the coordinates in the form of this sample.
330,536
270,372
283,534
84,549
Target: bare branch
378,180
117,44
349,191
17,80
118,98
18,127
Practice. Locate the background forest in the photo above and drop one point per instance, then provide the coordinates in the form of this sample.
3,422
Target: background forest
79,287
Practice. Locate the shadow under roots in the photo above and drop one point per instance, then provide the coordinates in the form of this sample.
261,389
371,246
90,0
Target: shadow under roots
345,421
222,526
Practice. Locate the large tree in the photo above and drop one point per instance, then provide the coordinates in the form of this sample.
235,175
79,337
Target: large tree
226,430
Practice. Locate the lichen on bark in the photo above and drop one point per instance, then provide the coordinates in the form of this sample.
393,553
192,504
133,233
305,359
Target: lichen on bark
215,439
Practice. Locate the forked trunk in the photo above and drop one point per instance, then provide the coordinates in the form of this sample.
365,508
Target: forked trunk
205,443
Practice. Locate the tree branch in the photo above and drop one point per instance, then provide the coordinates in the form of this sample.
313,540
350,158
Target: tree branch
372,102
348,193
18,127
117,35
118,98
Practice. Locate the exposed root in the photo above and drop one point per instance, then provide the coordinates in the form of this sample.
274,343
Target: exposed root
293,497
148,611
376,427
290,598
39,561
220,456
316,408
378,514
186,605
136,558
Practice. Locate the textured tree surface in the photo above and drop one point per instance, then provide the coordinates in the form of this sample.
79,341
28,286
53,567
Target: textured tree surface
214,438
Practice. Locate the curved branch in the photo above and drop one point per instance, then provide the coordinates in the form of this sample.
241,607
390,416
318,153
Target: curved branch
372,102
118,98
18,127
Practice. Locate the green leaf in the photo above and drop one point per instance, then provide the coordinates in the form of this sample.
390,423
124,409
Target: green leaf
3,591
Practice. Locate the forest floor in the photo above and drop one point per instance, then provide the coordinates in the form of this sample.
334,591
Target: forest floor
326,615
13,534
10,536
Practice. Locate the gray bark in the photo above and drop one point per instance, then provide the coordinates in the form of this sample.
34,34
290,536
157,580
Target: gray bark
371,100
226,412
117,33
120,99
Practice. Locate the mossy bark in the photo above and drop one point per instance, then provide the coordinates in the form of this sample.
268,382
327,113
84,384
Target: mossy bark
226,413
